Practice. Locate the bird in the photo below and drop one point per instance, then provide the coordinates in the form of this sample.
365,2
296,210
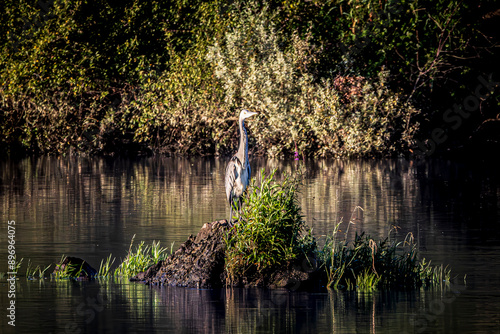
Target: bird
238,171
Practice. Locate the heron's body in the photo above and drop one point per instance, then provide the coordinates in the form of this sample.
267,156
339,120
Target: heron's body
237,177
238,170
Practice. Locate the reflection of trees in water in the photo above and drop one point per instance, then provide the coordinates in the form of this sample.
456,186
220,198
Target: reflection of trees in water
418,197
120,306
76,198
281,311
183,310
80,191
71,202
385,189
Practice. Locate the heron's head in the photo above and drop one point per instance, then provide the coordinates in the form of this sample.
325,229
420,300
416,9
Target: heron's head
245,114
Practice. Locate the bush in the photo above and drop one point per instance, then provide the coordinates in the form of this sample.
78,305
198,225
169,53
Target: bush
355,117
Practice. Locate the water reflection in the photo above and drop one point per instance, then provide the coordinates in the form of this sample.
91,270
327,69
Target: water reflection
91,207
123,307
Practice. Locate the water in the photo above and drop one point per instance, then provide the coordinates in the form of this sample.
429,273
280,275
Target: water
91,207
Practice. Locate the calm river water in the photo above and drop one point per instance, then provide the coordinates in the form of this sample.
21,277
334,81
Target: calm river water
92,207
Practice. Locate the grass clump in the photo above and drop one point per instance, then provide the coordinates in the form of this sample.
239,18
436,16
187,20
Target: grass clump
36,272
66,269
367,265
271,232
137,260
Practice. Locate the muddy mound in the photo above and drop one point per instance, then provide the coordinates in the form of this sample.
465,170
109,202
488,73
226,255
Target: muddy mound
200,263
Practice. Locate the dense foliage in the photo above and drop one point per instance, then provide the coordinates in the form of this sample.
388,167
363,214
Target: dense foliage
328,78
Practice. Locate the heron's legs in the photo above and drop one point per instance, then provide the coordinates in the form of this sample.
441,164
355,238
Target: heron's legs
238,203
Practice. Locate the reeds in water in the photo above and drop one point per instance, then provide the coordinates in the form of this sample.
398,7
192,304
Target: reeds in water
141,258
367,265
36,272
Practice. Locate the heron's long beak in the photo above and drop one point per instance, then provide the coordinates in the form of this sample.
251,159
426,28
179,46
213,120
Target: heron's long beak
251,113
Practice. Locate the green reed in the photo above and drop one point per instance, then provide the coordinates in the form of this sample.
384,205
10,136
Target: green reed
105,267
70,270
36,272
141,258
366,265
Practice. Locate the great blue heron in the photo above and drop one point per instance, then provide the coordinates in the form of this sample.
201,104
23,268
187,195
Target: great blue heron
238,169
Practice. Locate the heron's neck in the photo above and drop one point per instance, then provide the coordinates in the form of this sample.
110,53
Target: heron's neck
243,149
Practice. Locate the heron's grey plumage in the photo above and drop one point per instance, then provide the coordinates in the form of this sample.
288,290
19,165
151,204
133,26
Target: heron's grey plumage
238,169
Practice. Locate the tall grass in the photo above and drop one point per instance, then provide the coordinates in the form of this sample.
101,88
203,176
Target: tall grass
36,272
366,265
105,267
140,258
271,232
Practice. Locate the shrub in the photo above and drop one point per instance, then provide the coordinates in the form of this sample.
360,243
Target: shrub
256,69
